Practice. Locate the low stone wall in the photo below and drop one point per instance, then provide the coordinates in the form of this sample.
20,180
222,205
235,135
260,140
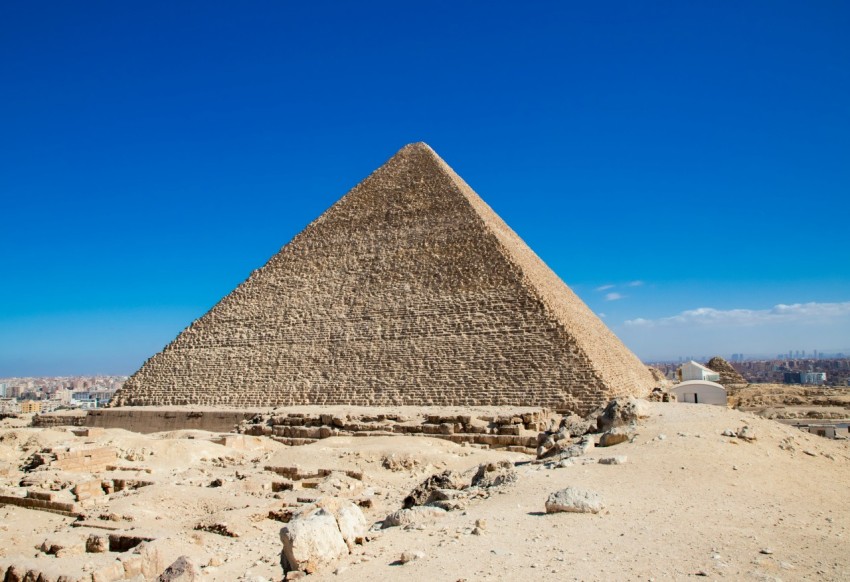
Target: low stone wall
91,459
42,501
159,420
142,562
53,419
514,432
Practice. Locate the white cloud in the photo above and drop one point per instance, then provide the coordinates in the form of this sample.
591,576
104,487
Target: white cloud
708,316
602,315
613,296
635,284
604,287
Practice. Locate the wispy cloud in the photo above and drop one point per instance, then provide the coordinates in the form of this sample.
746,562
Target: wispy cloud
613,296
604,287
602,315
708,316
635,284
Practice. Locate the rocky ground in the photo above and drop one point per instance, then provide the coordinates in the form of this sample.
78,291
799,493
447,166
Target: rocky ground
792,401
686,491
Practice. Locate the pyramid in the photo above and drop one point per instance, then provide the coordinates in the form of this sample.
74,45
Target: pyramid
409,290
729,376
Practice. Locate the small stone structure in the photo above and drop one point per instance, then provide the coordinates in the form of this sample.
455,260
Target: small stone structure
409,290
729,376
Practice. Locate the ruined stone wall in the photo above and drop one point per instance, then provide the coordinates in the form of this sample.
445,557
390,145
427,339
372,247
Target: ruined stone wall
403,292
148,421
516,430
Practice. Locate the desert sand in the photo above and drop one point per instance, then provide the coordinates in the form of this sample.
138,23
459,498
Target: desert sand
685,500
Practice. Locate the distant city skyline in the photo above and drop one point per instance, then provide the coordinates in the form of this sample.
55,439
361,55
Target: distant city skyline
682,166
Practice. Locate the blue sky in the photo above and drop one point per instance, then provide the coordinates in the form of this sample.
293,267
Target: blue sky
153,154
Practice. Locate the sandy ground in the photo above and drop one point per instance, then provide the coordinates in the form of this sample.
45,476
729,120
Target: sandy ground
687,502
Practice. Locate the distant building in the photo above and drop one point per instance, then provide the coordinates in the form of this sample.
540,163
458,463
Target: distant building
92,398
693,371
791,378
64,396
29,406
102,396
817,378
9,405
700,392
826,429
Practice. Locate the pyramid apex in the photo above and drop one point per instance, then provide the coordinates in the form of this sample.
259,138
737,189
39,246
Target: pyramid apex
417,146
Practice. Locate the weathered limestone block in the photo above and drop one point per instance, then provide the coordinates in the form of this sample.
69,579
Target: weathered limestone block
573,500
312,541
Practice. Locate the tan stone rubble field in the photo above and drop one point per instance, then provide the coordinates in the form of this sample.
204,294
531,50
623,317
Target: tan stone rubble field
680,499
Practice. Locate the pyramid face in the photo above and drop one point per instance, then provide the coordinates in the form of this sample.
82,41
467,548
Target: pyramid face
409,290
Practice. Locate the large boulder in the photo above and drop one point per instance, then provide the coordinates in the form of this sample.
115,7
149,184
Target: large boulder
448,499
414,516
574,426
312,540
349,519
621,412
444,480
183,569
97,544
615,436
572,500
491,475
567,449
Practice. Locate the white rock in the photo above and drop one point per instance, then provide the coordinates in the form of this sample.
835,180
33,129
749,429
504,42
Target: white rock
311,541
411,555
574,500
349,518
415,515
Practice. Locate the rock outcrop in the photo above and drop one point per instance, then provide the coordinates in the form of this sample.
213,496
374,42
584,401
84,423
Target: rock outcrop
320,535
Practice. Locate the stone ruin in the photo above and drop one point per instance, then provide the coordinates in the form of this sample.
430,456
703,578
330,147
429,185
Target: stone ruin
409,290
729,376
512,430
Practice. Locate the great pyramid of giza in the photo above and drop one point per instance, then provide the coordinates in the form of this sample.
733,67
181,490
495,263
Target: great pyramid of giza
409,290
